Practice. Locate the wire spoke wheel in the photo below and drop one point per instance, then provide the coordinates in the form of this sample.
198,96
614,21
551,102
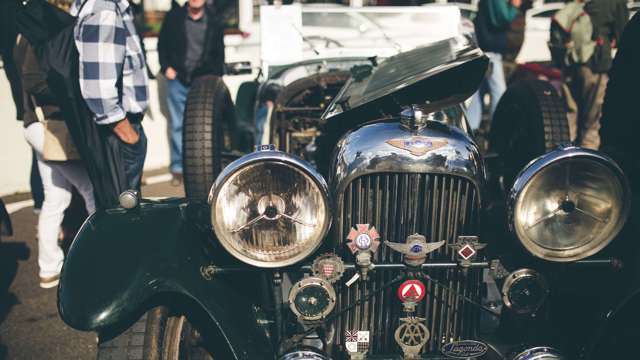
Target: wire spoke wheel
157,335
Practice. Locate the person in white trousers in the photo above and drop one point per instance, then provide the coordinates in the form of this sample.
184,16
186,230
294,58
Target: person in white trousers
58,179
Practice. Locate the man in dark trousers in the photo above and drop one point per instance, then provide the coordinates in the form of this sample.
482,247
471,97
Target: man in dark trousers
191,44
588,80
113,78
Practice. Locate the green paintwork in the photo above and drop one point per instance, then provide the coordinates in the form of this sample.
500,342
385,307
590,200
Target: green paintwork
122,258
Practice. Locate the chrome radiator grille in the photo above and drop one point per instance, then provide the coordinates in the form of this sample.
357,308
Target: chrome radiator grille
441,207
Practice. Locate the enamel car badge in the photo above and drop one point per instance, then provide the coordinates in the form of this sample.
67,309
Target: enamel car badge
415,249
329,267
417,145
411,291
465,349
411,336
357,341
363,238
467,248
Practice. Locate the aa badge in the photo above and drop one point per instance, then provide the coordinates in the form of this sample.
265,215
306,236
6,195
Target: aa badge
411,336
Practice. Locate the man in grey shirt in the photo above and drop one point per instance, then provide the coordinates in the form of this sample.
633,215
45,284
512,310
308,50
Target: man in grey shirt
191,44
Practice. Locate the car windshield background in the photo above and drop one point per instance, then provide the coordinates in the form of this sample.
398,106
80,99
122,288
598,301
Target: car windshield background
401,71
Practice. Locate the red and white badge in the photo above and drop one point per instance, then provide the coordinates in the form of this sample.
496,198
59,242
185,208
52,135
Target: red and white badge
467,252
411,291
363,238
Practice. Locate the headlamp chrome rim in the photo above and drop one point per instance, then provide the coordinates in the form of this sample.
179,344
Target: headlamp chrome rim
538,353
543,162
274,157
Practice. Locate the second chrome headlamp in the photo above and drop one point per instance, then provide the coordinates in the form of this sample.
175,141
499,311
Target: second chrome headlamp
568,204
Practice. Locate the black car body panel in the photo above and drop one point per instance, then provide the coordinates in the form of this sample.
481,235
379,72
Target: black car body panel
121,259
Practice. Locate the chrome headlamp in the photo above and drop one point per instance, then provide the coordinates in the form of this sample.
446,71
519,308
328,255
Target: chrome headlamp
568,204
270,209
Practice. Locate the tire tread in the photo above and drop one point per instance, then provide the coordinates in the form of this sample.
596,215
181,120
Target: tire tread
203,137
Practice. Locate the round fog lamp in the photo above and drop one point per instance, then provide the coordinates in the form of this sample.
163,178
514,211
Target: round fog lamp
312,299
269,209
524,291
568,204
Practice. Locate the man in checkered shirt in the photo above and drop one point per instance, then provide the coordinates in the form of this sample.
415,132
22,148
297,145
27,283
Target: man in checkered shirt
113,76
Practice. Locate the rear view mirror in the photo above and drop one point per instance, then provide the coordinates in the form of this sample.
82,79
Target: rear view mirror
239,68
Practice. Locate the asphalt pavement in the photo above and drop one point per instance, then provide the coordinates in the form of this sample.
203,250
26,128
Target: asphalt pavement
30,327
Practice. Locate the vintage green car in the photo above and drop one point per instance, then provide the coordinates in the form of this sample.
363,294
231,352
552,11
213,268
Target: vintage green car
389,241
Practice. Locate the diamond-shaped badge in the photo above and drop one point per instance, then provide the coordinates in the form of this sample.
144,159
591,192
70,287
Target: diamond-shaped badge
467,252
467,249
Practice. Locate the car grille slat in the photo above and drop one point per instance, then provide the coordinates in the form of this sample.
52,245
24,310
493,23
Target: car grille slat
441,207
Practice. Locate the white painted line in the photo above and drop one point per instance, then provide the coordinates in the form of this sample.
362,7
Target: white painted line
17,206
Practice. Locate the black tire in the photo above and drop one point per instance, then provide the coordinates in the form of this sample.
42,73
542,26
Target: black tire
155,336
208,120
530,120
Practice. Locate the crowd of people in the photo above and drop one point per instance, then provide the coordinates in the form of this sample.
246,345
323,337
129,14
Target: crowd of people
112,81
585,32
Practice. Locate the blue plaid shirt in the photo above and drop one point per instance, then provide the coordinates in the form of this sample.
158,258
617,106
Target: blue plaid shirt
109,51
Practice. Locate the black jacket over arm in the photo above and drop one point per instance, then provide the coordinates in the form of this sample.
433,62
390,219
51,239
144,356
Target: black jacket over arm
172,44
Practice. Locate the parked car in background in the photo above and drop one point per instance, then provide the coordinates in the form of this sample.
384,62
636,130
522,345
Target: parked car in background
538,24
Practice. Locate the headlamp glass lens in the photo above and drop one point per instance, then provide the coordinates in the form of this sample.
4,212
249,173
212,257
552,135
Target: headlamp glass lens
270,214
570,209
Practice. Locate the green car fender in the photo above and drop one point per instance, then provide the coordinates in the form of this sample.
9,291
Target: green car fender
120,259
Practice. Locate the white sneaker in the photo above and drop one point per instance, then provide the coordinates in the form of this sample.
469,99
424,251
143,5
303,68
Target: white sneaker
49,282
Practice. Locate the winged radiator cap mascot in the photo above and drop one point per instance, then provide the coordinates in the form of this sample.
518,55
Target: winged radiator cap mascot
416,249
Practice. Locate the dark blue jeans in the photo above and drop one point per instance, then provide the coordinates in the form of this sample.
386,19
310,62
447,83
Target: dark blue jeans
176,99
133,158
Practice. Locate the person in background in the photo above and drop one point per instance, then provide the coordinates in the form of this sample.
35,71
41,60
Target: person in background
8,36
492,26
588,79
58,177
113,77
191,44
